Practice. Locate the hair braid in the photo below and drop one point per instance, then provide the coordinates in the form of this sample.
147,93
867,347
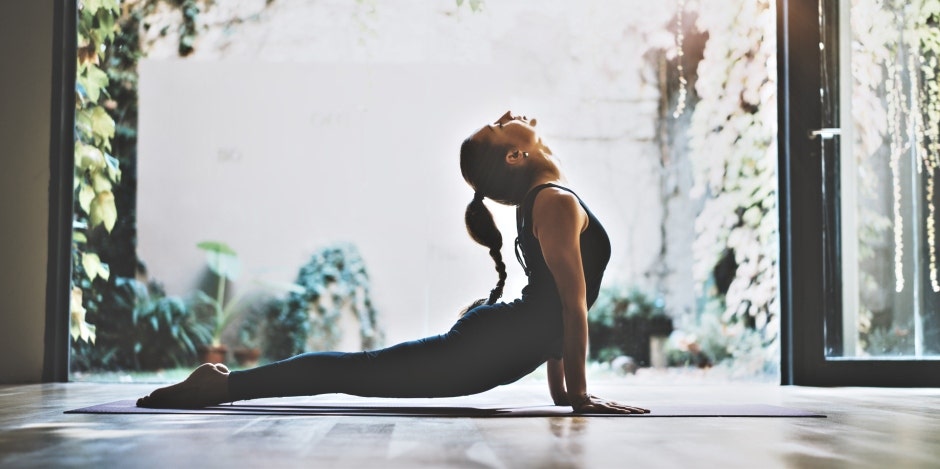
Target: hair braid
497,292
482,228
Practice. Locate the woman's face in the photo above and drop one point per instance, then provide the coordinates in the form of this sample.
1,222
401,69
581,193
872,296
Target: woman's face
515,131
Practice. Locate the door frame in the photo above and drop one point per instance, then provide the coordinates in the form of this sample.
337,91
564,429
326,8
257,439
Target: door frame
807,290
61,174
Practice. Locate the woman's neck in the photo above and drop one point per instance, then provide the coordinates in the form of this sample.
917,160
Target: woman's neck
546,178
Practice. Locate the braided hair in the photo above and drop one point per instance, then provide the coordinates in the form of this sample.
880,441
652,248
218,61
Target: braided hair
483,230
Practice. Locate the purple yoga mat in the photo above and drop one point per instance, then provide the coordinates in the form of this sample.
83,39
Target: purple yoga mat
665,410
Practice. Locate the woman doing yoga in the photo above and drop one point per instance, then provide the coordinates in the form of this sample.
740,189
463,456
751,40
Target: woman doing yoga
564,251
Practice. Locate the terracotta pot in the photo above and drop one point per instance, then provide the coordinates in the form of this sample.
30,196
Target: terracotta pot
247,357
212,354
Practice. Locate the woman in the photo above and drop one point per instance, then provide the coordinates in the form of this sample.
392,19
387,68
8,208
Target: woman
564,251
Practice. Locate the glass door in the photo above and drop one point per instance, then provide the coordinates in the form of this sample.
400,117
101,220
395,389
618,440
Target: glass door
859,151
879,88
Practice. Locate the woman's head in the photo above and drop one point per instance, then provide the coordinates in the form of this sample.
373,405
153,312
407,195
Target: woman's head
502,161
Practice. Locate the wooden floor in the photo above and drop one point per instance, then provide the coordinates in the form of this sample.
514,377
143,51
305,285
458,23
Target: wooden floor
878,428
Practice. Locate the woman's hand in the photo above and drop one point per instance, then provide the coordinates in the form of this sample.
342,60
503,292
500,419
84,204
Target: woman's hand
590,404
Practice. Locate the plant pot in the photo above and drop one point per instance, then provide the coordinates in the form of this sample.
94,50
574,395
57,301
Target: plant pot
658,351
212,353
247,357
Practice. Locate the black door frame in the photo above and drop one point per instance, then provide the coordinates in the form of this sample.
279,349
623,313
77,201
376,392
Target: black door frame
807,290
61,173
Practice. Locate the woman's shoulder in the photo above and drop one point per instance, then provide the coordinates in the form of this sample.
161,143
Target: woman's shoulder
556,203
551,188
555,195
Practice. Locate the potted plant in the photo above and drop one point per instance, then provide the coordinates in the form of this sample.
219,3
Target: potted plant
625,321
223,262
332,283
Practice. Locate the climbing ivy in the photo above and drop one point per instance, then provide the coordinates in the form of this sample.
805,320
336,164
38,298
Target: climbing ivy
732,140
96,169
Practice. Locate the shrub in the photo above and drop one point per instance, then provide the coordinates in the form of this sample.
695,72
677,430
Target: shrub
332,282
144,330
621,323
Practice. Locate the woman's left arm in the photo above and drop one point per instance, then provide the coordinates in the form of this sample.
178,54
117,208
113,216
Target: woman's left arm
558,221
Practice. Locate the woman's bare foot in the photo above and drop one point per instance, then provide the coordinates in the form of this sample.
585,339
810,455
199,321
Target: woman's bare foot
205,386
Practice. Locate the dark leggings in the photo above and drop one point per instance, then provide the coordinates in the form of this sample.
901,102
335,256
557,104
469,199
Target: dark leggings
487,347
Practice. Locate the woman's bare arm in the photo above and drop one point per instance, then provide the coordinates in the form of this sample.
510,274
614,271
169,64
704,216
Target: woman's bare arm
556,381
558,221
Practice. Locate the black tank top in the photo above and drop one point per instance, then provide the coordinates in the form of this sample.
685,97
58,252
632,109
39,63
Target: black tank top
595,253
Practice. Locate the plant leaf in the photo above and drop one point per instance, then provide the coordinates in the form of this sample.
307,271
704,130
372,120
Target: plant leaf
88,157
91,6
114,167
92,265
103,211
221,259
102,126
100,182
85,196
95,80
78,328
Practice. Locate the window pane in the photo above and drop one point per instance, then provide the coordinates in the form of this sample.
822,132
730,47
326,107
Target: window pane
890,112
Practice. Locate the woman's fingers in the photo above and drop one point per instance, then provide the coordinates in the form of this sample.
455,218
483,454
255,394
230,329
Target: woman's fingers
622,409
603,406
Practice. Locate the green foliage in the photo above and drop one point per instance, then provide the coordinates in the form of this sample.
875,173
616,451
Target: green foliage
251,330
145,330
96,170
475,5
621,322
222,261
190,11
168,332
334,281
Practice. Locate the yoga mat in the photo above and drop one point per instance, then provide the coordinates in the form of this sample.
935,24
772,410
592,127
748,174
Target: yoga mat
664,410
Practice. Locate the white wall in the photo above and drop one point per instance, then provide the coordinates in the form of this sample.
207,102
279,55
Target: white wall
25,90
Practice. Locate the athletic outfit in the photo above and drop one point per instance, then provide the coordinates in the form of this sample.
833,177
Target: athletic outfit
489,346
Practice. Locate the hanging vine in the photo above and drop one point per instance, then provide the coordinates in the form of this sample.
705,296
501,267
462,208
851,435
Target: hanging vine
927,41
733,143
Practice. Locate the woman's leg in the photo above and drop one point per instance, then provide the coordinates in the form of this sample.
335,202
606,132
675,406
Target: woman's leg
430,367
439,366
487,347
